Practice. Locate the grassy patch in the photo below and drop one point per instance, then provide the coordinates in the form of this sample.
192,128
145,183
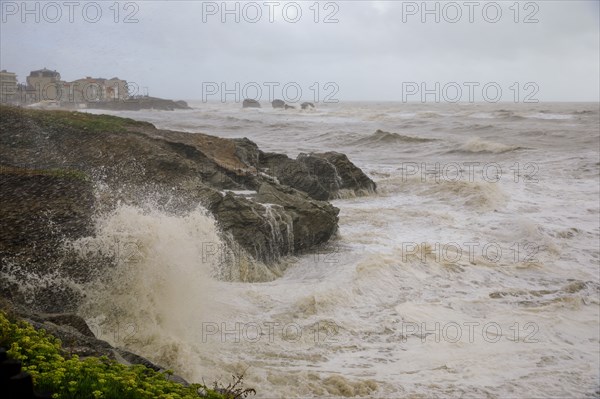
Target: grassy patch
54,172
71,119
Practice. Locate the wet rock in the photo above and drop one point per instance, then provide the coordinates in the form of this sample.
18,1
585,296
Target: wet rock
351,177
307,105
281,104
314,222
295,174
278,103
250,103
247,152
322,176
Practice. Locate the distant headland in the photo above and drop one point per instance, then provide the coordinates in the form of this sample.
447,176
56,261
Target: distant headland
44,88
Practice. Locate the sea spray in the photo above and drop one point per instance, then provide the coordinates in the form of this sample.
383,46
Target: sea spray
162,288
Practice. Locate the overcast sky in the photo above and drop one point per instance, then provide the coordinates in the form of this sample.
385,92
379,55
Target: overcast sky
374,51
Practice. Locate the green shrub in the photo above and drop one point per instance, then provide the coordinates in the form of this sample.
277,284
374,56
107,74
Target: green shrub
92,377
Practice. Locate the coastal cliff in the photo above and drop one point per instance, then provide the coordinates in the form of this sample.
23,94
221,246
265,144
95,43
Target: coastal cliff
62,171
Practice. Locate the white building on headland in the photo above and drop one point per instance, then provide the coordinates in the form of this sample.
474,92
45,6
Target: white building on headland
45,85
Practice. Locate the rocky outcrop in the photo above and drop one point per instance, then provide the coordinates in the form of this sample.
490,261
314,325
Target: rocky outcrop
250,103
281,104
307,105
139,103
351,177
278,103
59,169
132,158
323,176
54,163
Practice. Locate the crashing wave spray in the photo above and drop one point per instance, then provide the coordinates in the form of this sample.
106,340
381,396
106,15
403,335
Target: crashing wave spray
161,290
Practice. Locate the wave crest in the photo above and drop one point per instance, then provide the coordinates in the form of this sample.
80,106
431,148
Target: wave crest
383,137
477,145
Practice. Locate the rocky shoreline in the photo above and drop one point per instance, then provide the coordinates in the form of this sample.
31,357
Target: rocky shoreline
60,169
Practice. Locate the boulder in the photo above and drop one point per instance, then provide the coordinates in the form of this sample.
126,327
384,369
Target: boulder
322,176
307,105
314,222
294,174
278,103
351,177
250,103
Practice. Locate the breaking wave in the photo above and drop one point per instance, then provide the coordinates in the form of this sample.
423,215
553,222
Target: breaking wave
382,137
477,145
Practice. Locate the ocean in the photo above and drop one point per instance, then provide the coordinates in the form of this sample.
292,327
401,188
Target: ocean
472,272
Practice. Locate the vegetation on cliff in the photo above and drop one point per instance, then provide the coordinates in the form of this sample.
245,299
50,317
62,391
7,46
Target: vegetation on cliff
69,376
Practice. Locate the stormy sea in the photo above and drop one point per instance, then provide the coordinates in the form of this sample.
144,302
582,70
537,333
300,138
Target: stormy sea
471,272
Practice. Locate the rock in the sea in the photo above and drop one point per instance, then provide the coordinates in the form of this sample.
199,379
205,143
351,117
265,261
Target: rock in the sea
351,177
250,103
281,104
278,103
295,174
322,176
307,105
313,222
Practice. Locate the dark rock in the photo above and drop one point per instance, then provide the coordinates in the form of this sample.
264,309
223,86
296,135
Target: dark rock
278,104
314,222
307,105
351,177
289,107
71,320
250,103
294,174
247,151
322,176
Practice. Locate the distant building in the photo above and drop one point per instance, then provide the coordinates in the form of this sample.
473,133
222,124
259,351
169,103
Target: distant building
88,90
46,85
99,89
42,85
116,89
8,87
